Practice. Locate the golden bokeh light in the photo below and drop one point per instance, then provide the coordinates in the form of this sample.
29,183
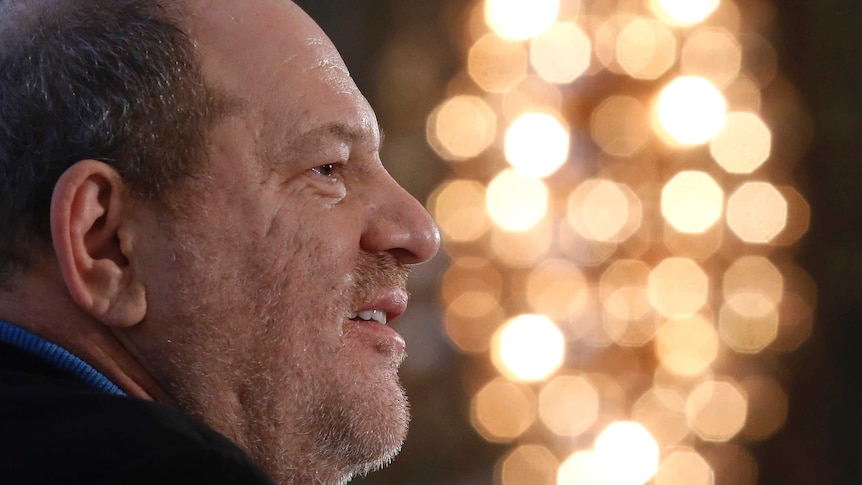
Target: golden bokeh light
692,201
752,286
561,54
522,249
581,468
767,407
502,410
677,287
796,319
687,346
516,202
645,49
497,65
743,144
459,209
569,405
472,334
717,410
732,463
712,53
626,454
528,348
747,333
533,94
461,127
683,12
690,111
602,210
662,413
520,19
529,465
469,292
605,40
699,247
557,288
684,466
620,125
798,216
537,144
757,212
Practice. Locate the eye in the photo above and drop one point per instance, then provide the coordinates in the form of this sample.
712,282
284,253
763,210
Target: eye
327,169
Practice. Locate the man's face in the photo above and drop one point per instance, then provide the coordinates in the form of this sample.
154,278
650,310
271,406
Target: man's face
292,235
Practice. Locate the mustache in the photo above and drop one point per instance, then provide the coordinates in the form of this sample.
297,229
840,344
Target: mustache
376,273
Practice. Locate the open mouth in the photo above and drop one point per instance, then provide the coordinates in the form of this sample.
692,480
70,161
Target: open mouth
375,315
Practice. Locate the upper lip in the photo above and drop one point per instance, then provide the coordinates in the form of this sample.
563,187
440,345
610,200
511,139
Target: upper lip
392,302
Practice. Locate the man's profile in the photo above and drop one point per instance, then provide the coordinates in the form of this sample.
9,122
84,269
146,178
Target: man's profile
200,249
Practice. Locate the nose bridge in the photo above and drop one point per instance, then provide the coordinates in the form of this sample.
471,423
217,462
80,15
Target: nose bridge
398,224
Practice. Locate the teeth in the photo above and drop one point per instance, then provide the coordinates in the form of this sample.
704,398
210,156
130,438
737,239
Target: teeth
368,315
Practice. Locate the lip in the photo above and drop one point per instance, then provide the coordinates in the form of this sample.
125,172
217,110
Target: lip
393,302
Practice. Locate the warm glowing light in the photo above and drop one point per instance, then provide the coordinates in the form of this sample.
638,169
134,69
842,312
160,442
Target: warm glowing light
497,65
600,210
662,413
581,468
683,12
716,410
529,348
522,249
712,53
646,49
748,334
626,454
691,110
472,333
461,127
692,201
753,286
743,144
687,346
767,407
516,202
557,288
684,466
537,144
529,465
520,19
502,410
798,216
677,287
459,208
757,212
569,405
561,54
620,125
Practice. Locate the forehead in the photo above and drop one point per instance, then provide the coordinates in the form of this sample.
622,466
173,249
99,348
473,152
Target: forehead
278,62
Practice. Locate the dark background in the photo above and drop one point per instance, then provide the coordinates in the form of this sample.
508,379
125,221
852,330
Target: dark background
402,55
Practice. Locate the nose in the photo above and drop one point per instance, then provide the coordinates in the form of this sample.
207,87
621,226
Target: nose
399,225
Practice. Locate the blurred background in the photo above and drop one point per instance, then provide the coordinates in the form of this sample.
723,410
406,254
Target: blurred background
650,264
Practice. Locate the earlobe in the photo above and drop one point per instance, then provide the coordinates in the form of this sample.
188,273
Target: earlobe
89,229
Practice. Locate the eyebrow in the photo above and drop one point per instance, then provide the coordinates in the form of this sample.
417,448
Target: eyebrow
340,131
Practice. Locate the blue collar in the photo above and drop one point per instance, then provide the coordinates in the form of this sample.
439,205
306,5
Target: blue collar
58,356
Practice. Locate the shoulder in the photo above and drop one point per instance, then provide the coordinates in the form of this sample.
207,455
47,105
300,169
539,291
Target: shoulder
57,431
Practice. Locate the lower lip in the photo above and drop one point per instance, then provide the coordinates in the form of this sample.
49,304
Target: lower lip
382,338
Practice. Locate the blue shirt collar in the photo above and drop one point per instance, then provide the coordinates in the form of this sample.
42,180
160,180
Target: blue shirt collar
60,357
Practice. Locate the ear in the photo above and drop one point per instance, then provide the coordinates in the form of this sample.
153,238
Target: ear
91,237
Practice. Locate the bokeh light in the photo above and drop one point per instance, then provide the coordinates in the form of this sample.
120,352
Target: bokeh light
683,12
502,410
516,202
662,413
520,19
529,465
528,348
459,209
601,209
557,288
767,407
562,53
687,346
581,468
713,54
743,144
692,201
677,287
461,127
620,125
569,405
684,466
646,48
497,65
626,454
537,144
717,410
757,212
690,110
